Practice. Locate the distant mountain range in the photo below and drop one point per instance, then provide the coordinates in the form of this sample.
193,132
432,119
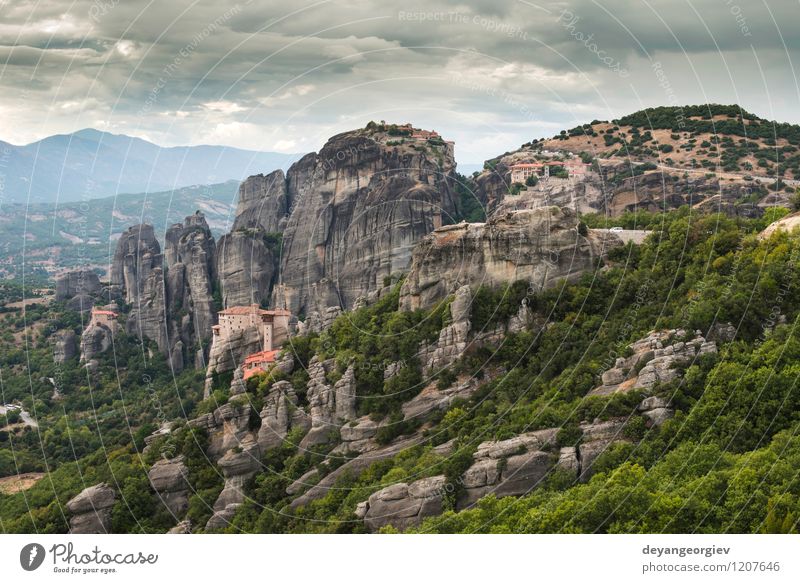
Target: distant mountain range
93,164
50,236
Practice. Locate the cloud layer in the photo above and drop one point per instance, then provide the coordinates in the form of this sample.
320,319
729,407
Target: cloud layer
277,76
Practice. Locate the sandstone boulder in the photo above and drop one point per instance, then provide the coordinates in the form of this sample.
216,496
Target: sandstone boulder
91,510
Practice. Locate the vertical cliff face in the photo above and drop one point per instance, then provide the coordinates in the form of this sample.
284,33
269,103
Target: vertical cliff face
541,246
190,256
246,261
357,209
137,275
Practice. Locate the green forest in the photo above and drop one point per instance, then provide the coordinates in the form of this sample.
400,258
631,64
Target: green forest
726,462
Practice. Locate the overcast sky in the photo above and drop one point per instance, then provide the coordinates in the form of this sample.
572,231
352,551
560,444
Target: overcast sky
283,76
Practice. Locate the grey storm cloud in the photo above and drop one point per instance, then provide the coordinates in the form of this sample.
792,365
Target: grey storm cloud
271,75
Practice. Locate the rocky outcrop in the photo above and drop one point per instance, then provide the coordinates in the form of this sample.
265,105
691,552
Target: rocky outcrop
91,510
452,338
65,346
228,353
137,276
359,207
431,398
78,283
247,259
96,339
509,467
597,438
358,436
654,359
263,203
403,505
656,410
280,414
190,257
169,478
246,265
227,426
541,246
238,465
317,322
353,467
330,406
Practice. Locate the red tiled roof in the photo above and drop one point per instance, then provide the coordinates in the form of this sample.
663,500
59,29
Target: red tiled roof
104,313
542,164
263,357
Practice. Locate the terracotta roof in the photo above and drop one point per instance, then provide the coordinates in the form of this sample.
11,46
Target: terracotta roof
104,312
541,164
263,357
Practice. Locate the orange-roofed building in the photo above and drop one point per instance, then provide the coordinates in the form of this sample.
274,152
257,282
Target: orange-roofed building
258,362
273,325
103,317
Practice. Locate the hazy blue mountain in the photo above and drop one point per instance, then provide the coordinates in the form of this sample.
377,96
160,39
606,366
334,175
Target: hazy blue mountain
46,237
93,164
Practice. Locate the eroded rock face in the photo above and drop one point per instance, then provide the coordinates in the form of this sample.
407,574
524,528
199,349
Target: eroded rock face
246,267
228,353
358,436
597,438
246,260
190,255
65,346
137,275
656,410
77,282
403,505
509,467
169,478
280,414
359,206
91,510
330,406
263,203
452,338
432,399
238,465
654,359
227,426
612,190
541,246
95,340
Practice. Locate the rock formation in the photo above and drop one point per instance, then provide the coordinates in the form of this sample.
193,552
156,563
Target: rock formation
95,340
452,338
330,406
65,346
228,353
137,275
280,414
78,288
247,259
358,208
510,467
403,505
238,465
169,479
654,359
190,256
541,246
246,267
91,510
